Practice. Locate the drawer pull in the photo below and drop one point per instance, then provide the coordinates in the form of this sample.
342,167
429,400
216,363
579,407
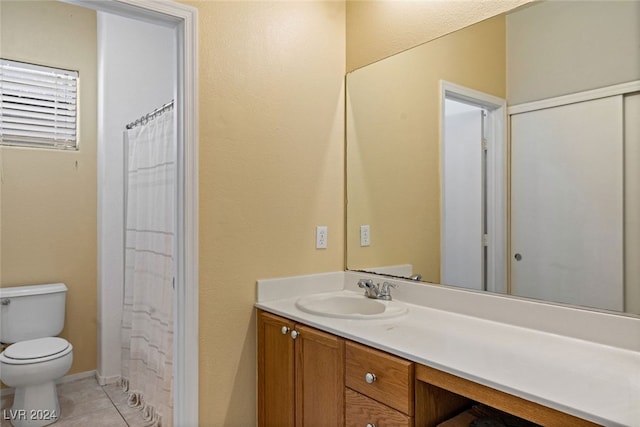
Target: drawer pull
370,378
295,334
371,425
285,330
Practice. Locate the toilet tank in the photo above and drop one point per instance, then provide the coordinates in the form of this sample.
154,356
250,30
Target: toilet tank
29,312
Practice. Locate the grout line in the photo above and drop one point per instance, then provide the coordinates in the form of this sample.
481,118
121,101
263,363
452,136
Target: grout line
73,417
115,406
105,395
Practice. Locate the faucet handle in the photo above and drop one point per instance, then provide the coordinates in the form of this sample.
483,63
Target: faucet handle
385,292
387,285
371,290
365,283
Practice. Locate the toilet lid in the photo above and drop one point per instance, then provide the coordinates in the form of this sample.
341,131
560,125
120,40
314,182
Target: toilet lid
34,349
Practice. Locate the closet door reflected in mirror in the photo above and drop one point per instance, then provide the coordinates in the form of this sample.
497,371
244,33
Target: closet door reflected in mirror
567,204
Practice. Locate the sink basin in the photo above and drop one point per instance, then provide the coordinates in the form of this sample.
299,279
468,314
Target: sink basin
348,305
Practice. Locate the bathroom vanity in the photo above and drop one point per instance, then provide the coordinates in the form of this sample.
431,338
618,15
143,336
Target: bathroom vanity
425,365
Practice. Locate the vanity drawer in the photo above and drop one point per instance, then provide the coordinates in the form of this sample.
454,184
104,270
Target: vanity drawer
361,411
394,381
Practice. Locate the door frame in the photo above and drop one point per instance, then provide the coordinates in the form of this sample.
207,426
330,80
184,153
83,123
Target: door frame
587,95
184,19
496,179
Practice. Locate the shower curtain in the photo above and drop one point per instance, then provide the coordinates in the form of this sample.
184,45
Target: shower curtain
147,321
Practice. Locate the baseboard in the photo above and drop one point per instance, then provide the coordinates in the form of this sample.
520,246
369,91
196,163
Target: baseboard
106,380
66,379
76,377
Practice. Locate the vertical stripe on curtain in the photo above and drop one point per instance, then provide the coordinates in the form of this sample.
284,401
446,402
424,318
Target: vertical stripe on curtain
147,321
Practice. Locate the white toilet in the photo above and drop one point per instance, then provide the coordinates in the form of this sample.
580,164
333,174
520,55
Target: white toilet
30,319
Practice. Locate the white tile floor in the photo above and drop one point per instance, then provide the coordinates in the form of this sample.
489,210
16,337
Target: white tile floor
85,403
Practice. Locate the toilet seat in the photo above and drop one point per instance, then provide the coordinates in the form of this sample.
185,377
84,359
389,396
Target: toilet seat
35,351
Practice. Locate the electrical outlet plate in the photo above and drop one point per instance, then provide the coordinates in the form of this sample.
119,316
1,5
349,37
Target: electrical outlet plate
321,237
365,235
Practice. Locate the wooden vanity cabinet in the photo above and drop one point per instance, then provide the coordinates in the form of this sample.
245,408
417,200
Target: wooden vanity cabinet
379,388
319,379
300,375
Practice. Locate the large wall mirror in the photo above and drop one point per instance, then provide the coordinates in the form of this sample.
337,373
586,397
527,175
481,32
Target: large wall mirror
505,157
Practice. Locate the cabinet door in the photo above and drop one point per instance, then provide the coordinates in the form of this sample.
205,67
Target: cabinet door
319,378
276,386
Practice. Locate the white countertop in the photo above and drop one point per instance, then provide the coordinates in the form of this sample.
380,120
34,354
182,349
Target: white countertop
591,380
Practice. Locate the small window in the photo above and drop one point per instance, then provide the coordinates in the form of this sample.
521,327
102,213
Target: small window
38,106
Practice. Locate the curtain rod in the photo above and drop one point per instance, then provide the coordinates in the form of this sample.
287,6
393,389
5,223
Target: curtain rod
150,116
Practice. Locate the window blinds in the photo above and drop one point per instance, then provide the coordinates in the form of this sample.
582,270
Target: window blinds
38,106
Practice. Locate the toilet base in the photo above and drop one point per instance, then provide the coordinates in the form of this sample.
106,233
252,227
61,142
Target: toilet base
34,406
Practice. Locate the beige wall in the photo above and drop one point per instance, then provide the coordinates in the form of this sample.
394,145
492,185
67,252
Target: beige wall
49,197
271,169
393,154
378,29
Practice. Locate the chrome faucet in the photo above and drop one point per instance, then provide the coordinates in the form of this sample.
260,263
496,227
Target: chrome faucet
372,290
385,292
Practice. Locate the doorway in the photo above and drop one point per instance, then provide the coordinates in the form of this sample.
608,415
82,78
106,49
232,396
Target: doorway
473,189
182,20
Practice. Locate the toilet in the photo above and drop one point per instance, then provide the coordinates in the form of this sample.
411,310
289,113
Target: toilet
31,317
